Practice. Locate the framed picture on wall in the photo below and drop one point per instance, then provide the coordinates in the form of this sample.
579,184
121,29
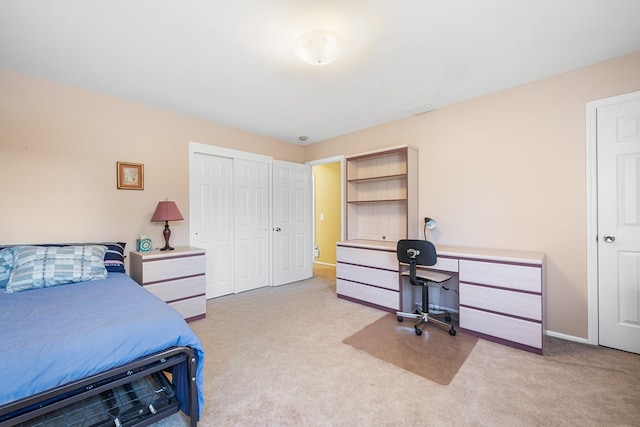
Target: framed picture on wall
130,176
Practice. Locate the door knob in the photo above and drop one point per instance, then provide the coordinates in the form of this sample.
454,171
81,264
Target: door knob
609,238
277,229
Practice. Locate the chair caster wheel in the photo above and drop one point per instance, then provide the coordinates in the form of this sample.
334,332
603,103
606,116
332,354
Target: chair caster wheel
452,332
418,331
400,318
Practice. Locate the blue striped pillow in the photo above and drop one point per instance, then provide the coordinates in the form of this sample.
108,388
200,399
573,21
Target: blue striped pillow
39,266
6,261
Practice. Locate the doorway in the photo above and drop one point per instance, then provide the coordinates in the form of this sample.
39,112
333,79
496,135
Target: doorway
613,222
328,212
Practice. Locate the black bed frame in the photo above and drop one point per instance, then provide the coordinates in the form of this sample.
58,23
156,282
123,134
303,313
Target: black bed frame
45,402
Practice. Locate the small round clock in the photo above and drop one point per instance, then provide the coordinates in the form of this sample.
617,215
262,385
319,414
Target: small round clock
144,245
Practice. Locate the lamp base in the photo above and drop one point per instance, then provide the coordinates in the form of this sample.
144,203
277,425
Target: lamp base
167,234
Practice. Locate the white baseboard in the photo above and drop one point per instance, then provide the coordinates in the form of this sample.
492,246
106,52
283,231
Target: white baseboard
566,337
324,263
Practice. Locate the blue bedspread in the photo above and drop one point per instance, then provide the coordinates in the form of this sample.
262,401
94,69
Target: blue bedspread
51,336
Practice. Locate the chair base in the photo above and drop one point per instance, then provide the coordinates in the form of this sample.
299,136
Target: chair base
423,317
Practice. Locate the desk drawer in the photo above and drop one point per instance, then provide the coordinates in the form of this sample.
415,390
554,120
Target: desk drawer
378,296
503,327
372,276
518,304
446,264
520,277
368,257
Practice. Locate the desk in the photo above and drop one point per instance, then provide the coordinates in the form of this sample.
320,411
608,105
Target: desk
500,291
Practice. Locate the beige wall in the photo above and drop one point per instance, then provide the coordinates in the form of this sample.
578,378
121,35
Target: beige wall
508,170
58,152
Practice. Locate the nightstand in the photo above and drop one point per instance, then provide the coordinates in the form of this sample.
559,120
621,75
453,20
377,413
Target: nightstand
176,277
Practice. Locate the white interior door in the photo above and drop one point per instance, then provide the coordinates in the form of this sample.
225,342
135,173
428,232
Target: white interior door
251,225
212,219
618,166
292,222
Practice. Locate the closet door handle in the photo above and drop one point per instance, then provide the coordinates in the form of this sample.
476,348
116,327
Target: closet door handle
609,238
276,229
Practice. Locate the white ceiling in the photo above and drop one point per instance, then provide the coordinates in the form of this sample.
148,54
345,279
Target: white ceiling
231,61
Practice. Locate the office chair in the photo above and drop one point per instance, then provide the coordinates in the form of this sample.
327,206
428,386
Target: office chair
415,253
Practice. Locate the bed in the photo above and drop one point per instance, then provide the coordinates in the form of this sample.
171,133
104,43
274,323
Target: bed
69,342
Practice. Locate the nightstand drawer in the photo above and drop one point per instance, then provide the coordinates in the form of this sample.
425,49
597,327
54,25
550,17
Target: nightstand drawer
157,270
178,289
192,307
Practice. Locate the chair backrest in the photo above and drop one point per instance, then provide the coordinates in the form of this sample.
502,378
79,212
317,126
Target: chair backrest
420,252
416,252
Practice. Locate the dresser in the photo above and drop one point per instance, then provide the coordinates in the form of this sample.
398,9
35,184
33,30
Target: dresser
176,277
500,291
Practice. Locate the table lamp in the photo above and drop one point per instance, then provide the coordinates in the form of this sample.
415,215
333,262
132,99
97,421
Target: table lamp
166,211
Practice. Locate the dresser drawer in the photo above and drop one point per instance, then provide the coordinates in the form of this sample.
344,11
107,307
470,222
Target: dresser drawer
372,276
519,304
191,307
520,277
503,327
178,289
164,269
378,296
368,257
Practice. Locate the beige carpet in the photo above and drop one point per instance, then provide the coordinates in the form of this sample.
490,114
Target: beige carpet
276,357
435,355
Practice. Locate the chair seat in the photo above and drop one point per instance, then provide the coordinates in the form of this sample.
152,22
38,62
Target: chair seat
430,276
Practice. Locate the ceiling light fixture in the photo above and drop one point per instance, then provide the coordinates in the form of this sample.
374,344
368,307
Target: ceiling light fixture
319,47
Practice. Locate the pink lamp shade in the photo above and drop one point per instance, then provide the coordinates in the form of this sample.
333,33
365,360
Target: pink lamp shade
166,211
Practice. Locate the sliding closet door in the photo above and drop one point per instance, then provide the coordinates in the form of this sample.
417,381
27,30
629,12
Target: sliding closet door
212,219
230,220
251,224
